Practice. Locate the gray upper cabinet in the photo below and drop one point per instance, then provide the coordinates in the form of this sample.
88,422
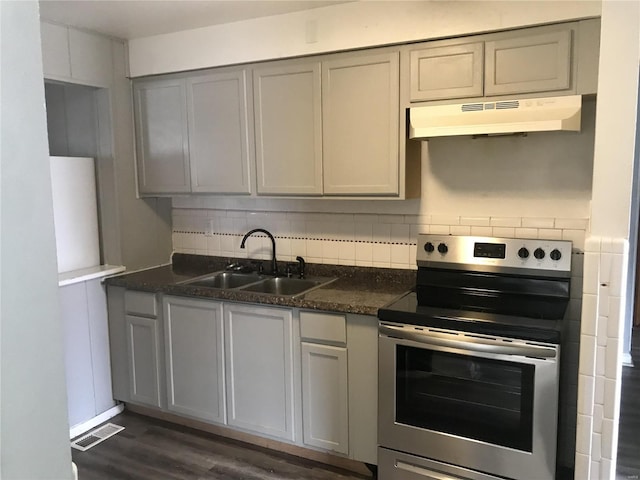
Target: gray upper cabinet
361,111
162,136
453,71
288,128
194,358
219,142
553,59
529,63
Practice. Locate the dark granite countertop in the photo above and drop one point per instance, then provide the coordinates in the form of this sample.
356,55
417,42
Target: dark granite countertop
360,290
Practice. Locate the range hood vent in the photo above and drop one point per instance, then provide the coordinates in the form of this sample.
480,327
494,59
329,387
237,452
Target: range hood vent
496,118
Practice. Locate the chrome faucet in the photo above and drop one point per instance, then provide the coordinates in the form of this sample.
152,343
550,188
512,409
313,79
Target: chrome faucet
274,263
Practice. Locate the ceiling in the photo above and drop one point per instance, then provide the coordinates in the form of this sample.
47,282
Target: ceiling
141,18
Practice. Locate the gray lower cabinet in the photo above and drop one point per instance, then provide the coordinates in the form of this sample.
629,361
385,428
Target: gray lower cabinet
259,369
325,398
360,124
194,358
143,333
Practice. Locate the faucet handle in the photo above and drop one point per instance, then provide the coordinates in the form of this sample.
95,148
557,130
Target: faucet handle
301,266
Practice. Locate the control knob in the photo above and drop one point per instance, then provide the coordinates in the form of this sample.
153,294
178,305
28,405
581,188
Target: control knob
428,247
523,253
442,248
538,253
555,254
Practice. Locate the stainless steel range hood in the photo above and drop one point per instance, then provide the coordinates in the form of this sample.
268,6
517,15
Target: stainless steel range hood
497,117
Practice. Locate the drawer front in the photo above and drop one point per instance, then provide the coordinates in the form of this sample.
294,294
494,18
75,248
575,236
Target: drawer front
140,303
324,327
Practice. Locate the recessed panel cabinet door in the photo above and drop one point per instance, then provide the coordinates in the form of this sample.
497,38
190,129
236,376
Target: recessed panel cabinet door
259,369
218,135
194,356
162,136
288,126
532,63
143,344
449,71
361,111
325,397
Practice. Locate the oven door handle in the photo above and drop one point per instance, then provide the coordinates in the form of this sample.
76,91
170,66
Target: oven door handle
473,344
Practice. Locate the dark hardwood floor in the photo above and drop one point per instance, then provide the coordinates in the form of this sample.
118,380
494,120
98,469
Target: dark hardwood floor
628,466
150,449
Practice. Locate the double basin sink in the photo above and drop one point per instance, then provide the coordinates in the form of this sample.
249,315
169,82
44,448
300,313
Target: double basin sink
256,283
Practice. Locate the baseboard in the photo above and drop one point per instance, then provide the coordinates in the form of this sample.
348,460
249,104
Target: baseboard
84,427
627,360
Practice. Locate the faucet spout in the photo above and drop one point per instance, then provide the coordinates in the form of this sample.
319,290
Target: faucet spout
274,263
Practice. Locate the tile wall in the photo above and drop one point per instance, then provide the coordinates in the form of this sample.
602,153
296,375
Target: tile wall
599,382
385,240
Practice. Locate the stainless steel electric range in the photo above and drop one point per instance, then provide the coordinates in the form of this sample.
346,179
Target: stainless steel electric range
469,361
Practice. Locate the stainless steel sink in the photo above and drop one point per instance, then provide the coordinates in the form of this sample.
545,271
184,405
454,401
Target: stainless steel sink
225,280
287,287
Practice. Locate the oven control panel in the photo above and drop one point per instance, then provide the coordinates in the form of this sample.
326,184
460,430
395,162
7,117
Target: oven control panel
552,255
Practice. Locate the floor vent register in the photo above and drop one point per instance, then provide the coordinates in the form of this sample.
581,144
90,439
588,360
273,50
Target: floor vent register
93,438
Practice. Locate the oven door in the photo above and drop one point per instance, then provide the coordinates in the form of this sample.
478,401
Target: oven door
475,401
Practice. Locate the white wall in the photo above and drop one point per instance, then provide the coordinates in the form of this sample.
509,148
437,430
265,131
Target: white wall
340,27
34,437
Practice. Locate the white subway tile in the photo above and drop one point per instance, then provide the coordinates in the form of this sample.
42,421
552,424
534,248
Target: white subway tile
618,275
364,263
411,219
213,245
586,392
600,360
598,416
606,245
572,223
592,244
390,218
576,237
615,321
412,256
314,248
582,467
476,221
587,355
330,250
413,233
460,230
317,260
549,234
526,233
596,451
583,434
505,221
595,469
611,398
607,472
364,253
589,314
605,267
363,232
608,429
283,247
400,254
591,272
599,391
620,245
603,300
479,231
445,220
613,360
298,247
423,219
381,254
381,232
602,331
439,229
365,218
400,233
297,216
424,228
538,222
347,251
504,232
345,231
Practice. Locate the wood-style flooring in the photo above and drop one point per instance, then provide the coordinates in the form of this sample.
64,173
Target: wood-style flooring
150,449
628,465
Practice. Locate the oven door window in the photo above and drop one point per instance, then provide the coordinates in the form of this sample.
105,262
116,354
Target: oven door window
472,397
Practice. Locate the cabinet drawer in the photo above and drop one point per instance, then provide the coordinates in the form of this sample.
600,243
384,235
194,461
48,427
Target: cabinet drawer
140,303
323,326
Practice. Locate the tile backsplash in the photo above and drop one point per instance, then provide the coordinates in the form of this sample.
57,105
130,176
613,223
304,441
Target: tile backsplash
368,240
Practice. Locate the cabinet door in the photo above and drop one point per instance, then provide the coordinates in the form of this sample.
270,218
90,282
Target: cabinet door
452,71
532,63
194,358
218,135
143,344
288,128
361,110
325,400
161,136
259,369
